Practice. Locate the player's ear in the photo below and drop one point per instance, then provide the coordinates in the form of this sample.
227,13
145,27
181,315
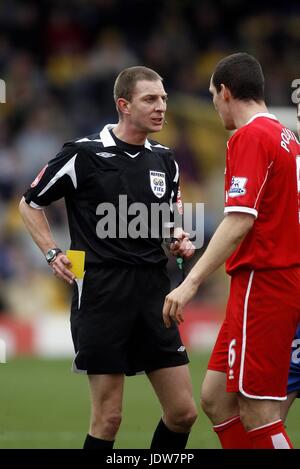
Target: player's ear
122,105
225,92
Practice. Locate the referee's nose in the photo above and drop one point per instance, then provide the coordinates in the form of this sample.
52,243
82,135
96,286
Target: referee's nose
161,105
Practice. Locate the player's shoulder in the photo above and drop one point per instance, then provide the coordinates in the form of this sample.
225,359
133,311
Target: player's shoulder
261,128
166,156
160,150
85,148
265,124
89,143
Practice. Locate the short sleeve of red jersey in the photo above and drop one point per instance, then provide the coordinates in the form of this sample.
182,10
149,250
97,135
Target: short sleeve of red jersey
248,166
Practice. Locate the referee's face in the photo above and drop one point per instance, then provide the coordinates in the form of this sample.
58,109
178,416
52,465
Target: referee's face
148,106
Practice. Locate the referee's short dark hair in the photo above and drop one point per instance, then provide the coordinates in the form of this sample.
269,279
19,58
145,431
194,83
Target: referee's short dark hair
127,79
242,74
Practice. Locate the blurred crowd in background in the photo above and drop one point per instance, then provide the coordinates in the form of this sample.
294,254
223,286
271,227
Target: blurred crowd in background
59,60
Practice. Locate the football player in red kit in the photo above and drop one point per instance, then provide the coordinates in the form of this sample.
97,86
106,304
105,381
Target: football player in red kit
293,388
259,239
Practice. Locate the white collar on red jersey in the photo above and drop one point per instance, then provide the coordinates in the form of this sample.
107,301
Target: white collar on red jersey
262,114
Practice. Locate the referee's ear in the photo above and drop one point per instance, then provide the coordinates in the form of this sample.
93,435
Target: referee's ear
122,106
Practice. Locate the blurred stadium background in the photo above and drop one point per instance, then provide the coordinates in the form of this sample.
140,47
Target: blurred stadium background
59,60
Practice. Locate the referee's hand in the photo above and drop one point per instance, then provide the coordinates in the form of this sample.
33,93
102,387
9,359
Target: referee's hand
61,266
183,246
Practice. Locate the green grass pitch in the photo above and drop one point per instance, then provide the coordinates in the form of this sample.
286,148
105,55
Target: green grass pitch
44,405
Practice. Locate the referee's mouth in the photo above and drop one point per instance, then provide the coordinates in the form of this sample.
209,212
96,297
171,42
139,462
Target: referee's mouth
158,120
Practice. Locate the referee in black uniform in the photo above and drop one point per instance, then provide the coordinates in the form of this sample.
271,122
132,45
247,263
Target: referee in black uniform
116,315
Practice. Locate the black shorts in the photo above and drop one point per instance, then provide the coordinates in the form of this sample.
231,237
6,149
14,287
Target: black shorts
118,325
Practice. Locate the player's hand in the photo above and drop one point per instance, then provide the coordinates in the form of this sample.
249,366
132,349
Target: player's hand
61,266
183,247
176,300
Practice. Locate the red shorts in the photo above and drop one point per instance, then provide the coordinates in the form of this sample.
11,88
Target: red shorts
254,344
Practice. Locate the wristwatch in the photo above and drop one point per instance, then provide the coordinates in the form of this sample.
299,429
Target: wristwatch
52,254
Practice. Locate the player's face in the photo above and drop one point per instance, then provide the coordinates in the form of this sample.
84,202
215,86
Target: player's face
148,106
222,107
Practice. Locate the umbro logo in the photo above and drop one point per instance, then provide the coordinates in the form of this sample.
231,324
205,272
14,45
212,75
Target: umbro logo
181,348
106,155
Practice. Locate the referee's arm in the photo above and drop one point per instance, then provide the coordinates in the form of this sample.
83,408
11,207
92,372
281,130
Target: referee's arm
37,224
182,245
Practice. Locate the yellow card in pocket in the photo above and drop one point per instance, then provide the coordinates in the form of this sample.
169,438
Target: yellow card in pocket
77,259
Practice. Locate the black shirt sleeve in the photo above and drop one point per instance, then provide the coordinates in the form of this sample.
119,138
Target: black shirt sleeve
176,204
59,178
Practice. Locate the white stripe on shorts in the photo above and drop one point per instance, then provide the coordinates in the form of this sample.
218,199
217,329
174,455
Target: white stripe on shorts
244,344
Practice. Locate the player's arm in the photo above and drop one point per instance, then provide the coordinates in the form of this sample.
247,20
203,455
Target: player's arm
58,179
225,240
37,224
182,245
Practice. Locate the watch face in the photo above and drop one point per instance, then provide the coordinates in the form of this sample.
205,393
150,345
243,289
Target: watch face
50,254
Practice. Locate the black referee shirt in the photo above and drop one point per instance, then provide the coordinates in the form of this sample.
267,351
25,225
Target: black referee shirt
98,169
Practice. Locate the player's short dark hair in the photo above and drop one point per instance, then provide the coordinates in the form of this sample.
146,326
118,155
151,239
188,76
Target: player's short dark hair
242,74
127,79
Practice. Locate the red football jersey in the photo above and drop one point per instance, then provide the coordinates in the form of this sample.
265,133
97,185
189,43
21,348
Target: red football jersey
263,178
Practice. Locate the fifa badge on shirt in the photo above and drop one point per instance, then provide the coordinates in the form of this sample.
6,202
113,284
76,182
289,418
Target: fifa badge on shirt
237,187
158,183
